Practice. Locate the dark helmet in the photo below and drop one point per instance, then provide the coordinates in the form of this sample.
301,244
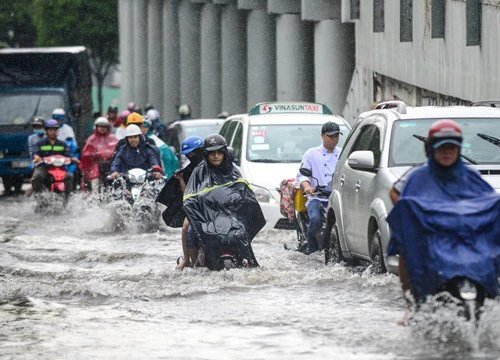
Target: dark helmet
51,124
37,120
444,132
191,143
214,142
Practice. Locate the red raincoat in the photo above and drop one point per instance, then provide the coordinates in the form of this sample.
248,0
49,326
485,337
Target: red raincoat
98,148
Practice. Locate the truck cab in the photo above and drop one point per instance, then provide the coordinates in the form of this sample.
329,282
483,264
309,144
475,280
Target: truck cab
33,82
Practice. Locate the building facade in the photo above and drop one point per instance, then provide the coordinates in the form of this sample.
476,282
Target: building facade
227,55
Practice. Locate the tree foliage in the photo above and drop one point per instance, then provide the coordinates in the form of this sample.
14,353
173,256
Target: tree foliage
91,23
16,24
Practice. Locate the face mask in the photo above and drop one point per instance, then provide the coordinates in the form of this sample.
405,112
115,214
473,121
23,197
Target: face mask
39,131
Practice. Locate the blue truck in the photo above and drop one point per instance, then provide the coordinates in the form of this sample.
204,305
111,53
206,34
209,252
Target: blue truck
33,82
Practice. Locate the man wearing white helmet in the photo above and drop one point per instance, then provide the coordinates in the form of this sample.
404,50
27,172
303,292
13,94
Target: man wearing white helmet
136,153
65,131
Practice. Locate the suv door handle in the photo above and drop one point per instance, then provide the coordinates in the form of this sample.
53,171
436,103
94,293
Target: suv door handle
342,180
358,185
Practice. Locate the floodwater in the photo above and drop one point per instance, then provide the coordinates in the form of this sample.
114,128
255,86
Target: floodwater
73,286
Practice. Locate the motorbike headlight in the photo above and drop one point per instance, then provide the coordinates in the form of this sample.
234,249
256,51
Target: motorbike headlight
263,195
58,162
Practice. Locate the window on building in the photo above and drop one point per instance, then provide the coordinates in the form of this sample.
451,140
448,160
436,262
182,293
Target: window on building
378,16
354,9
406,21
438,12
473,19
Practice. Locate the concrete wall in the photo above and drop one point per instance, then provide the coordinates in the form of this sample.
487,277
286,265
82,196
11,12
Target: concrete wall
226,55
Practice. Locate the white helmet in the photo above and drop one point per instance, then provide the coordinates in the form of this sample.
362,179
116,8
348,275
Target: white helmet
153,114
59,111
133,130
102,121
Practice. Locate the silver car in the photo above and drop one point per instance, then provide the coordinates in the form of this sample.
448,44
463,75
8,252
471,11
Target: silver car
382,146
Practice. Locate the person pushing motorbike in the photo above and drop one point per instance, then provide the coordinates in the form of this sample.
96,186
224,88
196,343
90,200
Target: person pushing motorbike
222,208
47,147
321,160
444,223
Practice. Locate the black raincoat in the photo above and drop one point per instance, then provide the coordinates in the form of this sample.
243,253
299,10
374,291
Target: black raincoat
223,211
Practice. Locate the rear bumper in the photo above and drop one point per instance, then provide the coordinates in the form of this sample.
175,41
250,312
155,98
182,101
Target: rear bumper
15,167
274,219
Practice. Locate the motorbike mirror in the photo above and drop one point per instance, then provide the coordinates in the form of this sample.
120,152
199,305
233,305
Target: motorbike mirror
306,172
76,110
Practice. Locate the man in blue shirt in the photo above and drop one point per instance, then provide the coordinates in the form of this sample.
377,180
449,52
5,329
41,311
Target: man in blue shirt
321,160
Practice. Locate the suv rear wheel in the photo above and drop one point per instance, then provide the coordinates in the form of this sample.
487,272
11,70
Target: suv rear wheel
377,254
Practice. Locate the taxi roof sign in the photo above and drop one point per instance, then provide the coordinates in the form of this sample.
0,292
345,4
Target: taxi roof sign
290,108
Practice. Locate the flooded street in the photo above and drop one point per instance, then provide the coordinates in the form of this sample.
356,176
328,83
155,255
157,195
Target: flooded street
74,286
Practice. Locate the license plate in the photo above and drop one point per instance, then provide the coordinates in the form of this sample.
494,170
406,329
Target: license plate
20,164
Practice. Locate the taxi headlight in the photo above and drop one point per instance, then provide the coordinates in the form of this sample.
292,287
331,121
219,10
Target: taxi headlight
263,195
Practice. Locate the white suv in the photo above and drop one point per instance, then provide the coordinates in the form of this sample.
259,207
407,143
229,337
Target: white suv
382,146
268,145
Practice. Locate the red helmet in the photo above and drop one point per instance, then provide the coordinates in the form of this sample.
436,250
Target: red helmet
445,131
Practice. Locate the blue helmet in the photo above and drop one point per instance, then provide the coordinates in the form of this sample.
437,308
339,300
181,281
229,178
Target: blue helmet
191,143
51,124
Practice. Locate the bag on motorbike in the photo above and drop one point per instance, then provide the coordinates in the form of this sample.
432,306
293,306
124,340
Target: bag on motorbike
288,188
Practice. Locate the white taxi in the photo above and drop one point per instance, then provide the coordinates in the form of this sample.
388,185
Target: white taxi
268,145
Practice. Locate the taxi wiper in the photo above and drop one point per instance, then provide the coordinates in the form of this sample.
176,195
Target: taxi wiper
268,161
424,139
489,139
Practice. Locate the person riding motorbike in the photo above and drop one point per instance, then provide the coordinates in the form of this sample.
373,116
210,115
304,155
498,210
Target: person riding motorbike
136,153
136,119
121,131
169,160
97,153
321,160
222,208
65,131
157,127
444,223
48,146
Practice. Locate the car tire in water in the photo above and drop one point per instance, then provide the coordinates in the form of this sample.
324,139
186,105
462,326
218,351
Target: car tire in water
377,254
333,252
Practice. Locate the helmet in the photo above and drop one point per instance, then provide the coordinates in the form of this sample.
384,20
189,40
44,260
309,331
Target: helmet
38,121
445,132
191,143
148,107
214,142
153,114
133,130
146,122
131,106
51,124
184,109
134,118
102,121
124,114
223,115
58,114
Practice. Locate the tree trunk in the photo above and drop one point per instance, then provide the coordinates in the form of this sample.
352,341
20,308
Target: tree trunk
100,82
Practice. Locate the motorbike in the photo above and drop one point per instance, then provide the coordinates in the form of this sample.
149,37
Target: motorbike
56,198
301,217
134,195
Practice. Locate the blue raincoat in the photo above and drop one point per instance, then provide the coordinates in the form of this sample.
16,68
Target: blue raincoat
446,224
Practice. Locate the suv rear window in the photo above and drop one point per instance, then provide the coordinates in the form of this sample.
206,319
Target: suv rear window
478,144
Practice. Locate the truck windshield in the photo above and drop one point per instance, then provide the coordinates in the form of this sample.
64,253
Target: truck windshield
18,108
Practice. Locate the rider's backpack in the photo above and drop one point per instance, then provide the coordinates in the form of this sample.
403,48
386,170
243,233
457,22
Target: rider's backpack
288,187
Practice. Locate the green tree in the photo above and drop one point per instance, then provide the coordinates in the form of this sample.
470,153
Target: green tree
16,24
91,23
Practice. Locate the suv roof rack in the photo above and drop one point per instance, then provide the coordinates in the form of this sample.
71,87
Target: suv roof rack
399,105
490,103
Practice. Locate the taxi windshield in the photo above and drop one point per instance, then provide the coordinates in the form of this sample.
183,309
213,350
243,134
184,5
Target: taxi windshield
479,143
285,143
